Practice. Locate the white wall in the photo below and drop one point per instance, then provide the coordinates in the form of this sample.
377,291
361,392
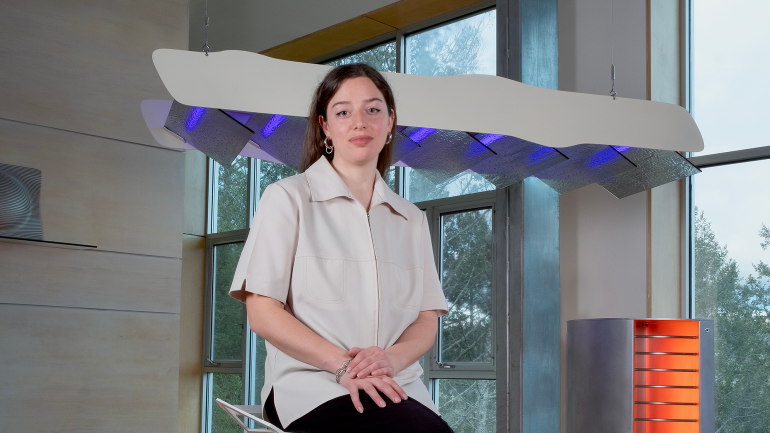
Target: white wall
89,339
604,240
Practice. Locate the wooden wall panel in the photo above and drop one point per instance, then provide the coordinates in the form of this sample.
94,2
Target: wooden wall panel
191,333
387,19
41,275
665,261
407,12
195,192
115,195
83,370
329,39
86,65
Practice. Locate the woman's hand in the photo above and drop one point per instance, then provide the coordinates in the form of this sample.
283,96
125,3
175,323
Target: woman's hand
371,385
371,361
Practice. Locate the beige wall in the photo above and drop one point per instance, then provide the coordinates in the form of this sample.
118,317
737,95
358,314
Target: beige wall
90,338
193,293
620,258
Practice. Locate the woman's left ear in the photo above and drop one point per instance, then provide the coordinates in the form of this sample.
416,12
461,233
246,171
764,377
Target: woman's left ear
390,121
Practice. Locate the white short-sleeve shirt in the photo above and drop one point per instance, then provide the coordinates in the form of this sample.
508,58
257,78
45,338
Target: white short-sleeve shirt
356,279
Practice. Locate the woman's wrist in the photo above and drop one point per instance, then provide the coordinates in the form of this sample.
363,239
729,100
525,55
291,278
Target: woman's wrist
335,362
395,360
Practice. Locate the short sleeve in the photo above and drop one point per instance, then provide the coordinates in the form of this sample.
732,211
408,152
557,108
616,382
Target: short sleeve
432,295
267,259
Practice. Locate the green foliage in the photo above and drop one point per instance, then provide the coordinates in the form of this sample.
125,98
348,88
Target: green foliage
381,58
228,387
469,406
232,205
232,212
466,277
742,330
270,172
228,313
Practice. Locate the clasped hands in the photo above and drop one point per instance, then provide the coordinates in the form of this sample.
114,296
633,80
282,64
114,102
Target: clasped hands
371,370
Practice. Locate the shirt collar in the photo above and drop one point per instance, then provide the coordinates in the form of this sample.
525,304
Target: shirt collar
326,184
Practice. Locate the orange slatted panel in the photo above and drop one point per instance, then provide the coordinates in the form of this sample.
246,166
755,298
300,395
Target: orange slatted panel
666,345
670,349
675,395
665,427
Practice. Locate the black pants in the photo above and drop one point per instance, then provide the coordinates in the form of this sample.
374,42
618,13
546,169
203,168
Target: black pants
339,415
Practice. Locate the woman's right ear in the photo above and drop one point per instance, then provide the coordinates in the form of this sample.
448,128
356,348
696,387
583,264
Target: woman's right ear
323,124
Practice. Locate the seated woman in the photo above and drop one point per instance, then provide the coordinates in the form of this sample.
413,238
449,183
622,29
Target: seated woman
338,275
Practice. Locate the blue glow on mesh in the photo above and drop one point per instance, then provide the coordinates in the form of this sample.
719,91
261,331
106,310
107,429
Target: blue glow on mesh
602,157
421,134
491,138
196,114
540,155
622,149
475,149
272,125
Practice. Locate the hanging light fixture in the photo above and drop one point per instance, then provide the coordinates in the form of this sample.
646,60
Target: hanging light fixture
567,139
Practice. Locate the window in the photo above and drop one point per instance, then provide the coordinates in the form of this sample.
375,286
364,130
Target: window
234,357
729,116
466,46
381,58
731,236
730,233
460,368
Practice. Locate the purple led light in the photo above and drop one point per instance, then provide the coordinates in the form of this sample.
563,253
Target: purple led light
421,134
272,125
603,157
622,149
540,155
196,114
474,149
491,138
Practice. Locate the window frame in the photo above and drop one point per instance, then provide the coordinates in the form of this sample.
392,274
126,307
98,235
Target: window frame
434,210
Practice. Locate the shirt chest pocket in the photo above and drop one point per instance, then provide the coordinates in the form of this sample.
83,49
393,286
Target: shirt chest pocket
322,279
401,284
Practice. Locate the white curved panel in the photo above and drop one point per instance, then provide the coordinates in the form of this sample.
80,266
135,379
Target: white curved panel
155,112
242,81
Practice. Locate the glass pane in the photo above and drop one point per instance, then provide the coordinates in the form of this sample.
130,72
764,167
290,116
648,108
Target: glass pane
731,258
728,114
260,353
227,337
231,198
390,178
228,387
381,58
466,277
270,172
468,406
420,189
463,47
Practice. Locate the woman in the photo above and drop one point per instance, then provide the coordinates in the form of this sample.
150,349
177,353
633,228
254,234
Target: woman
336,262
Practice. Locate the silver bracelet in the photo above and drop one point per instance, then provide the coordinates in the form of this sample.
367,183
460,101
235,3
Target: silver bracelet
342,370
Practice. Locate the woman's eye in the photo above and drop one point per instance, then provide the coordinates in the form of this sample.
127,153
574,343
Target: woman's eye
374,110
342,113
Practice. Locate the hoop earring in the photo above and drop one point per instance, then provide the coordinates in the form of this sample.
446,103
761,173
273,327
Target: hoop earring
329,147
390,138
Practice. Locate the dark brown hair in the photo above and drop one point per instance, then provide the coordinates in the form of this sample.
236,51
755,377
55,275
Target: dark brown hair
313,146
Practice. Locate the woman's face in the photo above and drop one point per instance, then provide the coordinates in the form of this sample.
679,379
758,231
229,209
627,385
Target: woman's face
357,122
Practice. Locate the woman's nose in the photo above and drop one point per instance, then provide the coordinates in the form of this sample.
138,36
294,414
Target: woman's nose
358,119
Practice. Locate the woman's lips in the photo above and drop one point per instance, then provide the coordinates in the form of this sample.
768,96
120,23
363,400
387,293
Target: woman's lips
361,140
